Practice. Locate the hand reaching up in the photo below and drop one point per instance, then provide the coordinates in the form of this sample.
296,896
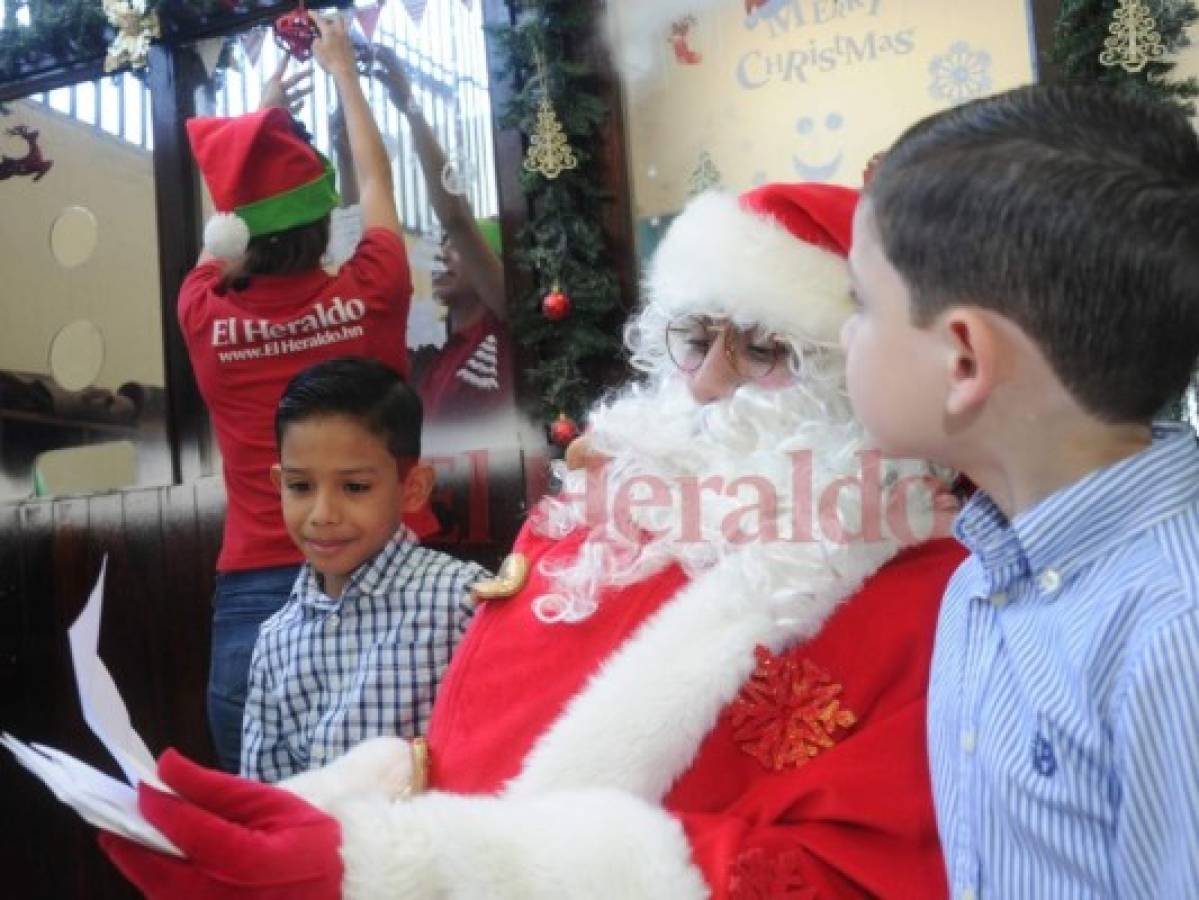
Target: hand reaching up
332,49
390,71
286,92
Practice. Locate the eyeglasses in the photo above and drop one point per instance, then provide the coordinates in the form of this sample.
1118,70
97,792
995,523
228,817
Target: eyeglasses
751,352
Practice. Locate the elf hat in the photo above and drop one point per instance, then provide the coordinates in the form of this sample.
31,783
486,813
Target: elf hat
775,256
262,175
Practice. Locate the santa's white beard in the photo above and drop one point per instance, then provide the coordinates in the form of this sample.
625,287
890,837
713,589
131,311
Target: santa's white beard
751,481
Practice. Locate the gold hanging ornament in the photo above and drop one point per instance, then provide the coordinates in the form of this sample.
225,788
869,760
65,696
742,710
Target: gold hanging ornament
549,152
1134,41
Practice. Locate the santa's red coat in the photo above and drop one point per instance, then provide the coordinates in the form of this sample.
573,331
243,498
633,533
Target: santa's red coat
813,781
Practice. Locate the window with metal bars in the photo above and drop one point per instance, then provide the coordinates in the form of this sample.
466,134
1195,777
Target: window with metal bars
447,66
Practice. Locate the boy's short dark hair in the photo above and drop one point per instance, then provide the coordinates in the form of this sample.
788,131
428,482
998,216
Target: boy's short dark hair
1073,211
363,389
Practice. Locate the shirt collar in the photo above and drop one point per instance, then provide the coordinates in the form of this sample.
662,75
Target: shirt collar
372,577
1088,517
985,530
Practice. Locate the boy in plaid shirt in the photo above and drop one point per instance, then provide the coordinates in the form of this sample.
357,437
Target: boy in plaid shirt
360,647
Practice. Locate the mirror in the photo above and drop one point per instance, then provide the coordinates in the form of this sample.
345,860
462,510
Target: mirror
81,470
73,236
81,348
77,355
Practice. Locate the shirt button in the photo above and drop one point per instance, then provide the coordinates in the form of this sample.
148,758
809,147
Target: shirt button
333,621
999,598
967,894
1049,580
968,741
318,755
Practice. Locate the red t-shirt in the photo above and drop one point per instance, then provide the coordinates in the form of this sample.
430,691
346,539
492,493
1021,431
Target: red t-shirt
472,374
246,345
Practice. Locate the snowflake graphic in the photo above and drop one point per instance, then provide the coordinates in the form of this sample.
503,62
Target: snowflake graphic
959,74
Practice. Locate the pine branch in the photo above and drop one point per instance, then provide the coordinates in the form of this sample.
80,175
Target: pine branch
1082,27
563,244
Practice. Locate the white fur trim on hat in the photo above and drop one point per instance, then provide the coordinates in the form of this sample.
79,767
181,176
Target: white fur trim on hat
720,259
226,236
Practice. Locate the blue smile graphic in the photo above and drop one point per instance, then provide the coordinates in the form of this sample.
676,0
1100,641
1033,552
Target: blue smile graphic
809,171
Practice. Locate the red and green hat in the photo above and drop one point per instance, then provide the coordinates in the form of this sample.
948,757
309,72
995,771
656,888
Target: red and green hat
262,175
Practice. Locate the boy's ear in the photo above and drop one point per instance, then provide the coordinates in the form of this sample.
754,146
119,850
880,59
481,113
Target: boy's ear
971,357
277,476
417,486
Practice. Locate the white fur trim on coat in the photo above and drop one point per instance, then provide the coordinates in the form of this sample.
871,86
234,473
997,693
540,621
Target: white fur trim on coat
381,766
721,259
639,722
573,845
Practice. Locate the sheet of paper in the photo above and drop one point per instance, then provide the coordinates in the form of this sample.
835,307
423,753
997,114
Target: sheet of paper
103,709
100,800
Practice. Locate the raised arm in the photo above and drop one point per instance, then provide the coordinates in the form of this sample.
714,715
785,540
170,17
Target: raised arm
335,55
483,268
339,137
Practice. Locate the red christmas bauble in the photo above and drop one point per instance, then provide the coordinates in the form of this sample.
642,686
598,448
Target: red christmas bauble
564,430
556,306
295,32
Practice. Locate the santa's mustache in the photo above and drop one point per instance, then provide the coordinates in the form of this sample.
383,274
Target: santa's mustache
692,483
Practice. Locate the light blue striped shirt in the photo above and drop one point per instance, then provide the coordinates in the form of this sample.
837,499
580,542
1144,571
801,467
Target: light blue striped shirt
1063,716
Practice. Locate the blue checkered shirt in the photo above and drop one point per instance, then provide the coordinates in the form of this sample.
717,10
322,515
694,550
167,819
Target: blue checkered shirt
1063,716
327,674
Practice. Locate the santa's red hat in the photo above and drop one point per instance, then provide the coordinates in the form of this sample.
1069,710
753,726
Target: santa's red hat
775,256
262,175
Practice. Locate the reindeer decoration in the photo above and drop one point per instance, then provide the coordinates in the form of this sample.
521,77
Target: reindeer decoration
32,163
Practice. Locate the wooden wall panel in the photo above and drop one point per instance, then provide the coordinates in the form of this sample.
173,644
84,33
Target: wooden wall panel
161,546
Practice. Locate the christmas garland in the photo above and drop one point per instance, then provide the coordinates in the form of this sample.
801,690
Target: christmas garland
1087,30
569,323
57,33
63,32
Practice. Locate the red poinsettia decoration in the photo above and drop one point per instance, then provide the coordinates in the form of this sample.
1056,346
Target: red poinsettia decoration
788,712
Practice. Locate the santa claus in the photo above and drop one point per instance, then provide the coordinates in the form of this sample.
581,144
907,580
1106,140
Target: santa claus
702,671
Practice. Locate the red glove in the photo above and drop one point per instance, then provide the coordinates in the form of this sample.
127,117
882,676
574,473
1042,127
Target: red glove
242,839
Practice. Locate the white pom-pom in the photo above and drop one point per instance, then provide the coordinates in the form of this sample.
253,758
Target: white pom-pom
226,236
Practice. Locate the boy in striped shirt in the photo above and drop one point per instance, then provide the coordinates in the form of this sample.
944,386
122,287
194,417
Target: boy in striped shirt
1030,263
360,647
